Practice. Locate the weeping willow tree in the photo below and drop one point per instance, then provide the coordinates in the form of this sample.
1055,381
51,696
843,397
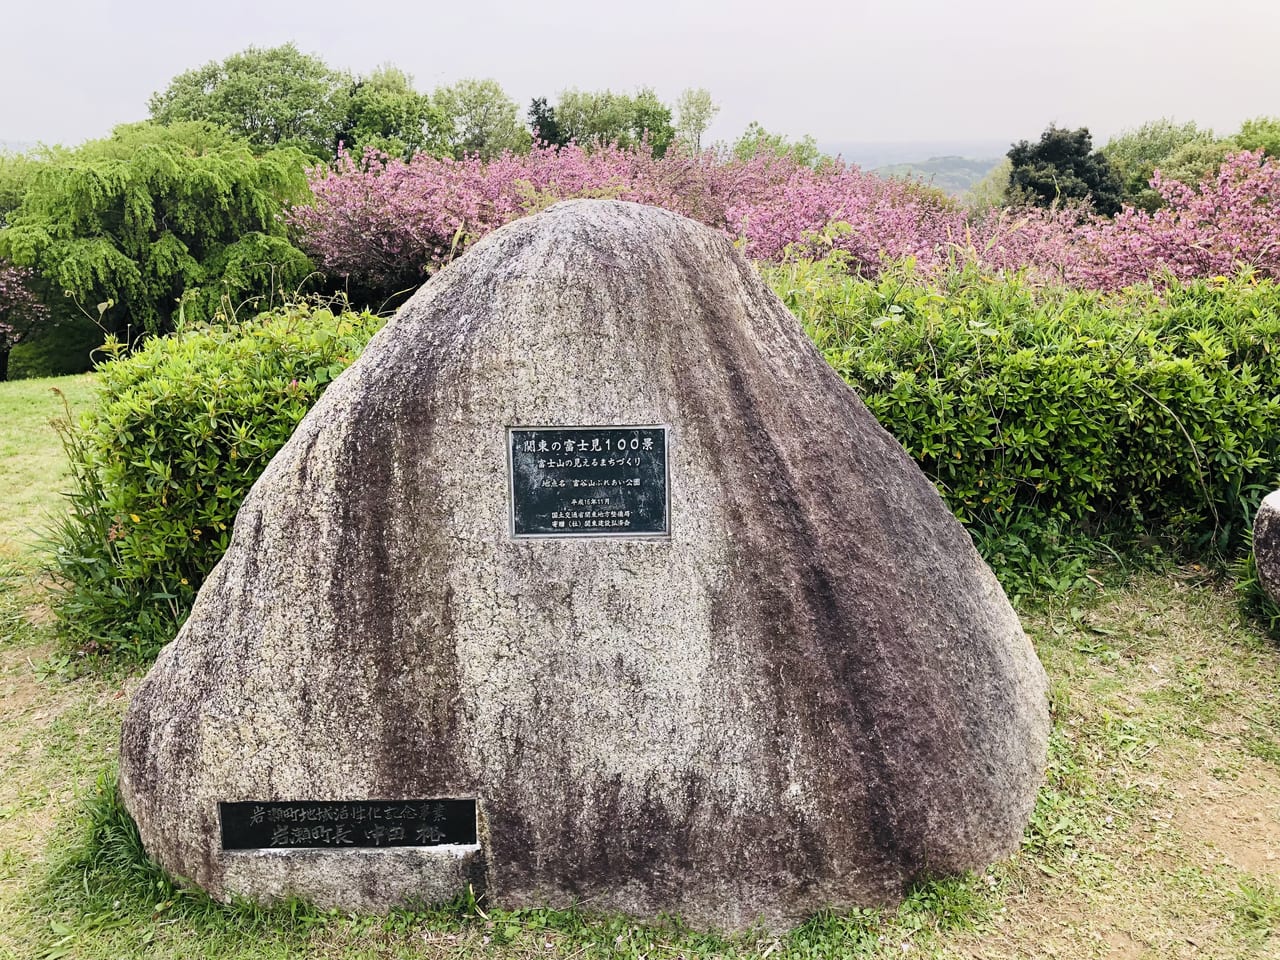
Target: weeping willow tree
158,219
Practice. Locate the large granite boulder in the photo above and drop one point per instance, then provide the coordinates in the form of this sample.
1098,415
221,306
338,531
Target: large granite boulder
801,689
1266,544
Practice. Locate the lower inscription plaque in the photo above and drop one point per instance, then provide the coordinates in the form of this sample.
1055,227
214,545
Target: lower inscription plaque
589,481
292,825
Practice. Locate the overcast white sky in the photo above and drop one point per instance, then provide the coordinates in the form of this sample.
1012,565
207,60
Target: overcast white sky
861,70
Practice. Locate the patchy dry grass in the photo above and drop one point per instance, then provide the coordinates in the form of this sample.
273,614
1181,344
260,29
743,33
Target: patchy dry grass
1163,826
1157,834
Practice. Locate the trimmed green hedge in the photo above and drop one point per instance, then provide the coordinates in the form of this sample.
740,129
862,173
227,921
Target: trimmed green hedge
182,430
1033,410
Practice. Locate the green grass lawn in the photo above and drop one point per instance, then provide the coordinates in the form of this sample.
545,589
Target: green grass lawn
32,467
1156,835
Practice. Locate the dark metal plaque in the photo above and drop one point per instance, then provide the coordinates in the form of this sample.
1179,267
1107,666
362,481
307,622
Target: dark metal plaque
589,481
331,824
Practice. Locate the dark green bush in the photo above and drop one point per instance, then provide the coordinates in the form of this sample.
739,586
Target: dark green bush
182,429
1053,412
57,350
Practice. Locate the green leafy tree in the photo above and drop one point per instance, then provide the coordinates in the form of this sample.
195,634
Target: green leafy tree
1136,154
270,97
651,121
384,111
480,119
543,124
155,217
1260,133
1063,166
694,110
594,117
757,140
1192,162
16,172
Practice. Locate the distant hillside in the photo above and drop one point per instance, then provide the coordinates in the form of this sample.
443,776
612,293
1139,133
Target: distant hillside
872,154
955,175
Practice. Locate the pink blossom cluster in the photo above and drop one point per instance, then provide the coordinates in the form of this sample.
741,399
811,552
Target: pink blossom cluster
372,216
20,308
1232,221
888,219
384,223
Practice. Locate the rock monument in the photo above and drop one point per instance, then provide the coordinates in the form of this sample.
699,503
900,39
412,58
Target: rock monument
1266,544
590,582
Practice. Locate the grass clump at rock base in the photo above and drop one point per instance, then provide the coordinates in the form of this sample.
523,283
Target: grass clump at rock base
1255,603
104,895
102,889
